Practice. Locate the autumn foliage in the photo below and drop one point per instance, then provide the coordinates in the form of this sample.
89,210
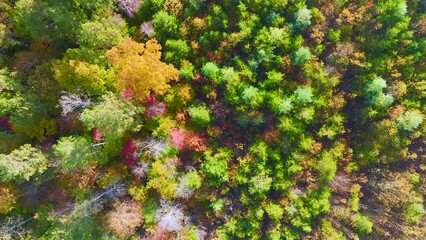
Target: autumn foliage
139,68
182,140
128,153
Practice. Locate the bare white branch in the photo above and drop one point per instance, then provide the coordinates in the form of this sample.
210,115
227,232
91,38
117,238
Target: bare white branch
140,170
129,7
170,216
152,147
70,102
147,29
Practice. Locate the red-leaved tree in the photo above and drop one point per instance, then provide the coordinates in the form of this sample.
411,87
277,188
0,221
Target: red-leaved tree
182,140
154,108
128,153
5,123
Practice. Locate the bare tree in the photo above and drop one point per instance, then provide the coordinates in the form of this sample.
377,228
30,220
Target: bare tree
152,147
183,191
70,102
94,205
11,228
170,216
140,170
124,218
129,7
147,29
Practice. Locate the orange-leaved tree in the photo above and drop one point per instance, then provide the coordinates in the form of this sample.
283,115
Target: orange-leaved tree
139,68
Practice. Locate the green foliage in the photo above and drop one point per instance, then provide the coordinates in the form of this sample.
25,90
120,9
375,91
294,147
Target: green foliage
84,228
192,180
148,8
409,121
166,26
281,105
216,166
74,74
211,70
362,224
303,18
76,151
375,95
228,75
260,185
300,56
274,80
414,212
176,51
274,211
328,232
200,115
53,19
252,97
113,117
217,205
280,109
149,211
110,31
354,199
303,95
21,164
32,119
187,71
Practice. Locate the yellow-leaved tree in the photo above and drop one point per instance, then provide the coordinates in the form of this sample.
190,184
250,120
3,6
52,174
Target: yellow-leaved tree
139,68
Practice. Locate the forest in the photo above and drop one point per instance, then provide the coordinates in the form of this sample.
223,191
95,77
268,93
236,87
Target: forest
212,119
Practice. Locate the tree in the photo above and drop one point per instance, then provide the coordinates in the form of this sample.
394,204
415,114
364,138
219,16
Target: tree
8,196
301,56
281,105
10,92
112,116
303,95
152,147
169,216
57,20
414,212
409,121
252,97
329,232
140,69
74,75
43,84
260,185
110,30
200,115
129,7
77,151
188,183
274,211
147,29
375,95
166,26
71,102
177,138
124,219
162,176
211,70
154,108
128,153
303,18
216,166
362,224
176,51
22,164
